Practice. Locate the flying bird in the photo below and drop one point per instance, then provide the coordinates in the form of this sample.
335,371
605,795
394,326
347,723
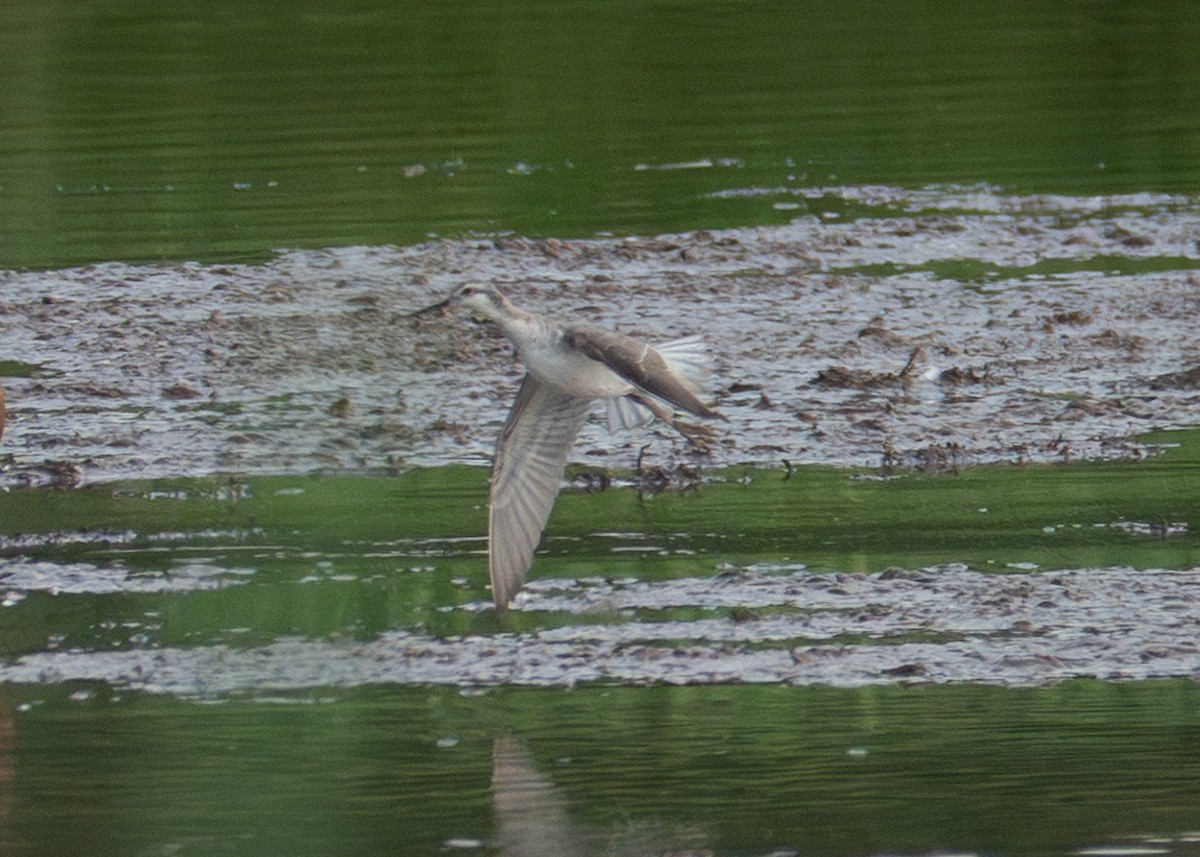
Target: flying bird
567,368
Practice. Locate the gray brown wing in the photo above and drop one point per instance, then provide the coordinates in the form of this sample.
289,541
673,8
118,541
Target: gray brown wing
530,455
639,364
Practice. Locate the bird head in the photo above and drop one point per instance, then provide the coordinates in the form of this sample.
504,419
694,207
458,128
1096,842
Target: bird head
479,298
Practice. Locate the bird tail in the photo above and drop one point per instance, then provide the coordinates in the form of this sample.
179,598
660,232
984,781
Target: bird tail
690,359
625,413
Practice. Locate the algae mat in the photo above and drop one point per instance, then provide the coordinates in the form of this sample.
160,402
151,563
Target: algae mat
1008,574
942,327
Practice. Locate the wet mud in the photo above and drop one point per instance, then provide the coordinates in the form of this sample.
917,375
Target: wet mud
766,624
937,328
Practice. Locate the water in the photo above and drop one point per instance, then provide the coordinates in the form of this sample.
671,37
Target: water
605,771
1001,575
898,615
138,130
309,664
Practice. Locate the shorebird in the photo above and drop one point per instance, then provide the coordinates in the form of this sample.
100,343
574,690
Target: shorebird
567,368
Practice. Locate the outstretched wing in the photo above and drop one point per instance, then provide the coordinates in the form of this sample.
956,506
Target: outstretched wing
530,455
641,365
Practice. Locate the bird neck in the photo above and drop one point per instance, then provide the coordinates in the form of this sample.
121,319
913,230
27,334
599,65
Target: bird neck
527,331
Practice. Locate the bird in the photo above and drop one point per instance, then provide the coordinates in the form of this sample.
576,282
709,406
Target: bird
568,367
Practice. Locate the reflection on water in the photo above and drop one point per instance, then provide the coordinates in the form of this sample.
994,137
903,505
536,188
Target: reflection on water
534,818
292,640
219,668
531,815
1081,768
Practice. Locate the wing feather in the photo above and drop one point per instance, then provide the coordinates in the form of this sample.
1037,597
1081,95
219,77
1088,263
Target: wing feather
530,454
640,364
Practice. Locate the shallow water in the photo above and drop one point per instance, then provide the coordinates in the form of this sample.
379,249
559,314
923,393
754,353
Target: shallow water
947,256
310,664
1081,768
1006,575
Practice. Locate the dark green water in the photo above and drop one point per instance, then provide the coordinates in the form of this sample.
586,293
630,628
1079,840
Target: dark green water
141,129
605,771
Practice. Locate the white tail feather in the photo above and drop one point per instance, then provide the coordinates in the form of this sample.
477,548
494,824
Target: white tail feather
690,358
691,361
625,413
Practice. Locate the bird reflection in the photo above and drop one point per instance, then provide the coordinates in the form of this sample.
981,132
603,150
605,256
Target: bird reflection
532,817
530,812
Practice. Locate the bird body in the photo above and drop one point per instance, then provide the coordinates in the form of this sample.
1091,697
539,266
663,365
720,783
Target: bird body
547,356
568,367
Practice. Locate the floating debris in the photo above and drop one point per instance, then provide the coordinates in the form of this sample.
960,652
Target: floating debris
924,317
765,624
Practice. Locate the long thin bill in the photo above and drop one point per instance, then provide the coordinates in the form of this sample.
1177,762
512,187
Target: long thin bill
434,308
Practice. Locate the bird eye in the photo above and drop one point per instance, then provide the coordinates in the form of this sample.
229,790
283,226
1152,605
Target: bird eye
467,291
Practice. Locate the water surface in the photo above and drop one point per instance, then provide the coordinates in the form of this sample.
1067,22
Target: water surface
139,130
606,771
